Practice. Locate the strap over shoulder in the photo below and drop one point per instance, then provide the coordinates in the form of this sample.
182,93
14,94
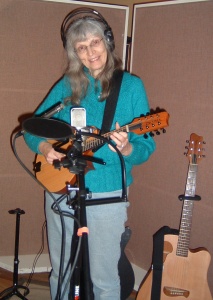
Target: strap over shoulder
111,101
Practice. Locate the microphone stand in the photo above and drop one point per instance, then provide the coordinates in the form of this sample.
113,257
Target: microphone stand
81,284
14,290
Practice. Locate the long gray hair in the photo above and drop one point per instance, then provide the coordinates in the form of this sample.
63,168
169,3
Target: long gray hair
78,31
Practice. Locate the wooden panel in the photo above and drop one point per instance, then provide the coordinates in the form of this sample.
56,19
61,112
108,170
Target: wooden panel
172,53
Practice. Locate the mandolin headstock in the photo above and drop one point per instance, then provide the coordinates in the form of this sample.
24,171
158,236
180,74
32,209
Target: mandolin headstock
150,123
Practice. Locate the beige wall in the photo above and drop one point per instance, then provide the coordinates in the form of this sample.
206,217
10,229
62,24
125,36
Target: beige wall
130,4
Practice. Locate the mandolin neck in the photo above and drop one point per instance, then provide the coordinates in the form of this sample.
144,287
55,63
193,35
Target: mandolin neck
93,143
141,125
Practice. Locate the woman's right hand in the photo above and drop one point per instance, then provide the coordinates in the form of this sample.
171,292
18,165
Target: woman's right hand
49,153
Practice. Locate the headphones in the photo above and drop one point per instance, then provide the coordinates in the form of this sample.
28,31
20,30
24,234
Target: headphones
108,34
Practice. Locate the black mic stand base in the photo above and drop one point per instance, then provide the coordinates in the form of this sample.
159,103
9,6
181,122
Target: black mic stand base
14,290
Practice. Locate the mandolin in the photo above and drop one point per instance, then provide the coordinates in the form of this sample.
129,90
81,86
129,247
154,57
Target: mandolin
55,180
184,272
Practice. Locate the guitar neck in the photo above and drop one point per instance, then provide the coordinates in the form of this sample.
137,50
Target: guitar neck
186,218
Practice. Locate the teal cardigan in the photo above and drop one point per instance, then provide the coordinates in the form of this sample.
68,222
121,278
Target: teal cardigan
132,103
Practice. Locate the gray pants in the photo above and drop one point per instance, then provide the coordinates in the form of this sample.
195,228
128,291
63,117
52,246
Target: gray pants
106,224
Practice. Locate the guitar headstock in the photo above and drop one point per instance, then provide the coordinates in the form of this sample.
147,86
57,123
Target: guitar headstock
195,150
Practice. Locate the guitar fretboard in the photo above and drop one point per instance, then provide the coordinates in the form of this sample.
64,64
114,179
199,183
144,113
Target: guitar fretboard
186,219
95,142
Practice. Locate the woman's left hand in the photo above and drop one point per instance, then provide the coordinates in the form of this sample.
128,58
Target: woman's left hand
121,141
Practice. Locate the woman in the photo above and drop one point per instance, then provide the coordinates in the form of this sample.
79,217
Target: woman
87,82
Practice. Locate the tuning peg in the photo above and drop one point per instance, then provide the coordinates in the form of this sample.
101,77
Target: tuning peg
157,132
187,153
151,134
163,130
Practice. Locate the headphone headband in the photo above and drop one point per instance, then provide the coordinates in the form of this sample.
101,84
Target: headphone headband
108,34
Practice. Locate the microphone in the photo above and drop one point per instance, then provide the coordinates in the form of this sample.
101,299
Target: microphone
53,111
78,120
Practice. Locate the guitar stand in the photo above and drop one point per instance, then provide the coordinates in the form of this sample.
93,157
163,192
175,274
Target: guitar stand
194,198
14,290
81,285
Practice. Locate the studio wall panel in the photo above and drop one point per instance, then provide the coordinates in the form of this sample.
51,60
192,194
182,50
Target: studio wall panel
32,59
172,53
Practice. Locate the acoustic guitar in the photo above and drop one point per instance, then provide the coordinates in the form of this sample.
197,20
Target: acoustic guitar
55,180
184,273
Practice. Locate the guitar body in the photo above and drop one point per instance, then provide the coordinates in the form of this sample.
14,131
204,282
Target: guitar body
182,277
55,180
144,292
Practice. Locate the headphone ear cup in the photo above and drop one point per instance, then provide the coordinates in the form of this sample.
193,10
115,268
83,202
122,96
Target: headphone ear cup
108,34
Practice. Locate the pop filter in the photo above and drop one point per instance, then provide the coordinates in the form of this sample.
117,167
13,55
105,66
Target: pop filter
48,128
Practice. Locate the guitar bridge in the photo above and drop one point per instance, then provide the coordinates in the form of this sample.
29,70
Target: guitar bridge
174,292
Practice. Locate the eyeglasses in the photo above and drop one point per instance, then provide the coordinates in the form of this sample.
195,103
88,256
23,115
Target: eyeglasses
94,44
